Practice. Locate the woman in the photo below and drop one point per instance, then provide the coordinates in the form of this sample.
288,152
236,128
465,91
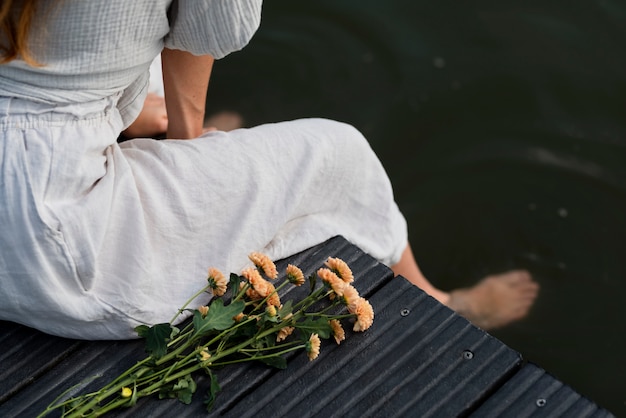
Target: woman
99,237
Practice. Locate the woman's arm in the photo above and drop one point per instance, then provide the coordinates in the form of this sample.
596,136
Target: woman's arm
186,80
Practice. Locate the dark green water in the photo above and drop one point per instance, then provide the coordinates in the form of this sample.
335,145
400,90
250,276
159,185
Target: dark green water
503,128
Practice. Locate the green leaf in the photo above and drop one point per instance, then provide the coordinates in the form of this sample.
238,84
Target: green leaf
184,389
319,326
312,282
286,309
219,318
264,342
234,285
247,330
175,332
258,344
267,318
275,361
157,337
166,391
212,392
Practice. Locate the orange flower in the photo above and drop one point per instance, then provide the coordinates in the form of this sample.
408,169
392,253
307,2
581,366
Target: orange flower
338,331
295,275
272,296
350,297
261,288
203,310
263,262
284,333
332,280
217,282
340,268
364,315
253,294
313,346
238,317
258,283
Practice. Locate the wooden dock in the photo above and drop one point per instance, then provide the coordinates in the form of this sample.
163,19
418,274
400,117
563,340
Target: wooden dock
419,359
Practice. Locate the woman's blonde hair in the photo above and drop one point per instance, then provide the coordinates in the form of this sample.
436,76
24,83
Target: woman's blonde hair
16,17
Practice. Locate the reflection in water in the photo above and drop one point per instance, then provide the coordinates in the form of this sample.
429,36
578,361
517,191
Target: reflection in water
502,127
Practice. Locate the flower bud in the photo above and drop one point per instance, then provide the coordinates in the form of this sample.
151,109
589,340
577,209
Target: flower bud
204,310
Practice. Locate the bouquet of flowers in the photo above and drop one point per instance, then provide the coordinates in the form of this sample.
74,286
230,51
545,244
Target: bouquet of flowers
245,321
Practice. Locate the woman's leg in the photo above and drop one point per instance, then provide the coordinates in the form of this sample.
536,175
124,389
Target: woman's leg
152,121
493,302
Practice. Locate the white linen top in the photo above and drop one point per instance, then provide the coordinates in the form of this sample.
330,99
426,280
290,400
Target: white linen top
85,60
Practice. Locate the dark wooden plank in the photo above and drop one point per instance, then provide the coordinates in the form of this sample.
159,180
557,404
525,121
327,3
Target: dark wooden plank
532,392
418,359
87,367
239,382
26,355
68,363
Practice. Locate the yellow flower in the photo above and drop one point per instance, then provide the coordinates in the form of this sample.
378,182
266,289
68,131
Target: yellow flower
295,275
332,280
313,347
339,267
203,310
338,331
271,310
263,262
126,392
284,333
217,281
204,355
364,315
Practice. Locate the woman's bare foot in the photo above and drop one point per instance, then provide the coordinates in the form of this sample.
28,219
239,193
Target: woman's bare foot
496,300
223,121
152,121
493,302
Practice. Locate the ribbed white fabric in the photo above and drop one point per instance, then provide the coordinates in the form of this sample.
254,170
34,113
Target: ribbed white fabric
93,49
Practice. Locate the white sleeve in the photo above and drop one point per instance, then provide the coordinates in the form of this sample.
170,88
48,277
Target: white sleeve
214,27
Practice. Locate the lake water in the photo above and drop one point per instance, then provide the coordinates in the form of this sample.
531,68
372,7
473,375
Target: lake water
503,128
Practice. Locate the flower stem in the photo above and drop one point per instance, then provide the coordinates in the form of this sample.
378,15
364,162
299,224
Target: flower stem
278,353
180,311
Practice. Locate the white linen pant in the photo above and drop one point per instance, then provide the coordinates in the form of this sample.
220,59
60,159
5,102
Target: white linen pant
99,237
